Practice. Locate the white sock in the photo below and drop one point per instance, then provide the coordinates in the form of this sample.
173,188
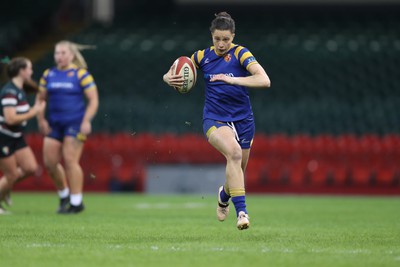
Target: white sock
63,193
76,199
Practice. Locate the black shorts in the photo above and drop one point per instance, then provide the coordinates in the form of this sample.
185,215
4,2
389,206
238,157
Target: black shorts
8,145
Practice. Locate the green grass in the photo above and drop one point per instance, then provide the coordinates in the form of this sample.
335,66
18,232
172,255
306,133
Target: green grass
141,230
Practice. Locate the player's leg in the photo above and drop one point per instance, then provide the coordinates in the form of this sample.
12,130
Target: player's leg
26,162
72,151
243,218
223,192
27,166
224,140
245,158
52,158
245,133
9,168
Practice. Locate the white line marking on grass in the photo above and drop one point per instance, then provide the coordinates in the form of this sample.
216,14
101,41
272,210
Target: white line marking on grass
163,206
230,249
281,250
265,250
44,245
345,251
194,205
317,251
356,251
114,246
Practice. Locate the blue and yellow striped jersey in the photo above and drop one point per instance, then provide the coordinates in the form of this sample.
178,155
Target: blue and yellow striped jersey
65,91
225,102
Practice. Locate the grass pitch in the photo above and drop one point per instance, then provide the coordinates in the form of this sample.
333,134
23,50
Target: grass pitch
141,230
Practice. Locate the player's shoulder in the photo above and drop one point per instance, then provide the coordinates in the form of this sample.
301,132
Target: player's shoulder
239,50
10,89
204,51
47,71
198,56
82,72
50,72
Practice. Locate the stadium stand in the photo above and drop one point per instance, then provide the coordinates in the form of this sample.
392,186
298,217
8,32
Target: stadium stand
330,122
22,22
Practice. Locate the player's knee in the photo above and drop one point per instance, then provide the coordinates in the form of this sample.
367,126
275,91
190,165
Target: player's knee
30,170
235,154
12,176
50,165
71,162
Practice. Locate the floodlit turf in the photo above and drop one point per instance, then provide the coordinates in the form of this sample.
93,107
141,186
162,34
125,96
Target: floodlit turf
141,230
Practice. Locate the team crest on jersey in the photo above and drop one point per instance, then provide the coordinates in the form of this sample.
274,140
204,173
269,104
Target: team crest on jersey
5,150
227,57
70,74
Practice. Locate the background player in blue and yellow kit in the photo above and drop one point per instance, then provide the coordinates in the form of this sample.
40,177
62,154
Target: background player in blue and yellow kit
228,119
17,160
65,88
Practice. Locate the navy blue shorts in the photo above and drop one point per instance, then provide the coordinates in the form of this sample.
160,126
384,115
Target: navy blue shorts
244,130
61,129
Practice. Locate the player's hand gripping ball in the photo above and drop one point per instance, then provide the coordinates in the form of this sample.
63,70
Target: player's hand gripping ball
184,66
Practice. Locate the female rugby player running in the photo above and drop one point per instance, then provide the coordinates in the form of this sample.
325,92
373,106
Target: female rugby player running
17,160
228,119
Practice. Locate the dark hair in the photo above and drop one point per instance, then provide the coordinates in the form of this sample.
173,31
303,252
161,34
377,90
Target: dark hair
223,21
15,65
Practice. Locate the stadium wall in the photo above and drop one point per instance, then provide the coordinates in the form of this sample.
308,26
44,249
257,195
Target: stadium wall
278,163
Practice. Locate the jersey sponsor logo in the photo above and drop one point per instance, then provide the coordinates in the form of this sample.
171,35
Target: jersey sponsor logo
209,76
227,57
59,85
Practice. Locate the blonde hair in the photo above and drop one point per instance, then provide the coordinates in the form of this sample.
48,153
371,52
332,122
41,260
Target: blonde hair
76,49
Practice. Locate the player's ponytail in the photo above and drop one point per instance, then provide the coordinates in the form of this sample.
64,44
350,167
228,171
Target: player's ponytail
15,65
76,49
223,21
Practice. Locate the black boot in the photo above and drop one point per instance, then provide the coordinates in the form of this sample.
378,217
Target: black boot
75,209
64,205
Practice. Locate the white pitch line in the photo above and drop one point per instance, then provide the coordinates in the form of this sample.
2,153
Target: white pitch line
163,206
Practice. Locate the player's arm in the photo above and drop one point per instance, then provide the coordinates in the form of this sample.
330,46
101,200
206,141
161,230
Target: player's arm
11,116
41,97
92,106
257,79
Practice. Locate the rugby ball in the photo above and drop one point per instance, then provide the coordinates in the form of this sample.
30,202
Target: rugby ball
184,66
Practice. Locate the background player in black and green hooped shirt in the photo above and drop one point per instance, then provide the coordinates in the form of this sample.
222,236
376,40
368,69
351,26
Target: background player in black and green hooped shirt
17,160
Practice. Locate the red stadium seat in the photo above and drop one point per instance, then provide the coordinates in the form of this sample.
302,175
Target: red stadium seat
319,171
360,174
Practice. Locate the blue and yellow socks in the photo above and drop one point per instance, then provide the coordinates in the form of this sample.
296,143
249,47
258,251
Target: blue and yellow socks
238,199
224,195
